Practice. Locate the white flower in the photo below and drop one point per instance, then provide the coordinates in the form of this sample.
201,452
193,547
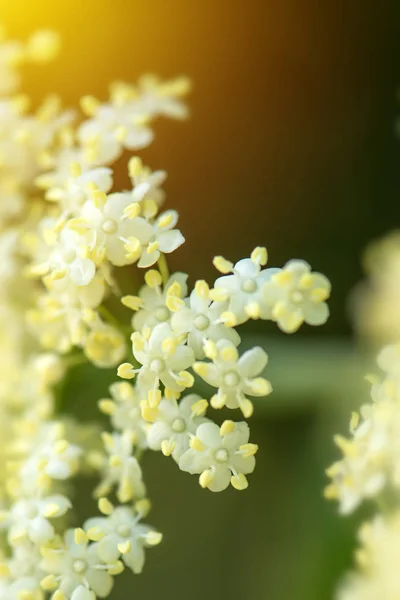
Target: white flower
163,98
221,455
146,187
174,424
104,345
68,260
121,468
50,455
200,320
165,239
125,412
78,187
114,126
163,358
234,377
152,303
29,519
76,568
21,587
297,295
244,289
111,231
58,319
122,533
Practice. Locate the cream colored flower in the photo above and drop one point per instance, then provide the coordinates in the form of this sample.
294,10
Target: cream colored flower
222,456
235,377
296,295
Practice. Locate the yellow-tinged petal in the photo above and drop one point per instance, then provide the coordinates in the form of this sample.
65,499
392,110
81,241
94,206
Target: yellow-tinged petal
167,447
206,478
153,278
199,408
105,506
80,536
222,265
248,450
126,371
259,256
239,481
196,444
227,427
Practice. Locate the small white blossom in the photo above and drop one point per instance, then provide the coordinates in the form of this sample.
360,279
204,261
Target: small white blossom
165,239
174,424
125,412
296,295
109,230
200,320
59,317
113,127
152,303
122,533
69,259
21,587
104,345
164,359
121,468
30,519
49,455
234,377
163,98
78,187
222,455
146,187
79,572
244,289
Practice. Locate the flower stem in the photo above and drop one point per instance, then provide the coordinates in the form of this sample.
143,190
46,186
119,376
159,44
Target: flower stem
163,266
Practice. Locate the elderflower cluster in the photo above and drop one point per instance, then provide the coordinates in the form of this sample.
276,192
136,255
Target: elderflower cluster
371,456
375,301
64,230
370,470
377,559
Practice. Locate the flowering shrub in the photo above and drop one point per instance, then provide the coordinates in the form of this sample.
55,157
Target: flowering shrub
64,231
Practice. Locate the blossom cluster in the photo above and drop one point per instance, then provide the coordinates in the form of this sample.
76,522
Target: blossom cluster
375,300
64,230
370,471
377,560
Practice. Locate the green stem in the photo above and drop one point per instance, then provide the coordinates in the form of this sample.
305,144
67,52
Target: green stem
74,360
108,316
163,266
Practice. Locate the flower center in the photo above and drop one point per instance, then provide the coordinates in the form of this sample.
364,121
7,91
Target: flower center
201,322
79,566
297,297
162,314
231,379
249,286
69,255
157,365
221,455
123,530
109,226
179,425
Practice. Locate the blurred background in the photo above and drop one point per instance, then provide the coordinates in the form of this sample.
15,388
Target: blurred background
291,144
